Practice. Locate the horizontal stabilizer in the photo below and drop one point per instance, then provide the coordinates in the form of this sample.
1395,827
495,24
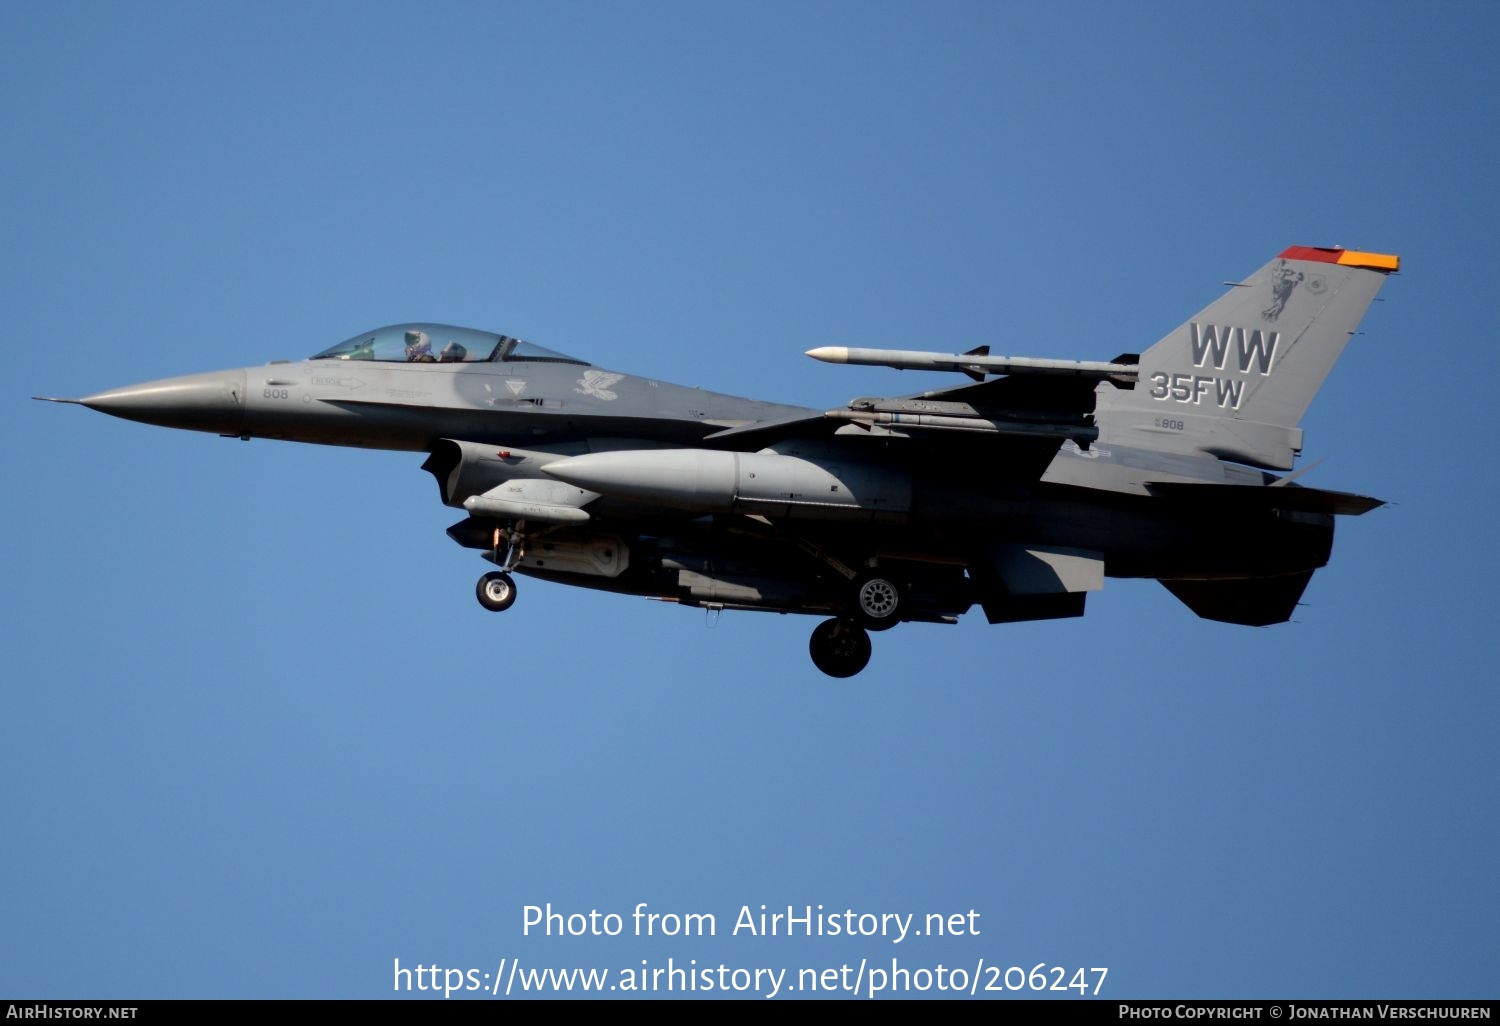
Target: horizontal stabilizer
1255,602
1292,497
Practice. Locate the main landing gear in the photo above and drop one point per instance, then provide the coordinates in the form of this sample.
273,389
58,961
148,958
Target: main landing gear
840,648
877,602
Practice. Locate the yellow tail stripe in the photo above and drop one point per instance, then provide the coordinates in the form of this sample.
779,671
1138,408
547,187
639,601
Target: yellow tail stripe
1374,261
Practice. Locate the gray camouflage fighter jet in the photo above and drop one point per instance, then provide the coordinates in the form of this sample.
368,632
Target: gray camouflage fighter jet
1019,491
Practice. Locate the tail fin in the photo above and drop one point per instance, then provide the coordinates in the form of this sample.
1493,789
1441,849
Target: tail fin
1234,380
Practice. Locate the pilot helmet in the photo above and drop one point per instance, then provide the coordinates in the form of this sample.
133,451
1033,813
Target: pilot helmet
417,343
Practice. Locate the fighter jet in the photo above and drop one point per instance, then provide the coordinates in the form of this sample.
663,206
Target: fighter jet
1019,490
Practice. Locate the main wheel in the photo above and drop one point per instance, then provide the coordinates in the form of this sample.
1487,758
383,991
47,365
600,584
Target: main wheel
840,648
496,591
877,602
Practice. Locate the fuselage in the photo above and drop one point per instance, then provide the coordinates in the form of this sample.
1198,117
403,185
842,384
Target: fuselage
369,392
409,406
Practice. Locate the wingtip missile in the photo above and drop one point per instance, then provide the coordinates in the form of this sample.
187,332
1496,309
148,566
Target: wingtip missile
830,354
975,362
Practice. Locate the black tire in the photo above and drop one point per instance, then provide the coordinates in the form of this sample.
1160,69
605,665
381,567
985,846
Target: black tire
840,648
496,591
877,602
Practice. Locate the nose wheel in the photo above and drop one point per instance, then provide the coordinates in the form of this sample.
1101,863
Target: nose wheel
840,648
496,591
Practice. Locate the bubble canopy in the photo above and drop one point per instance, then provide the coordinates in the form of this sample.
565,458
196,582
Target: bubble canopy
421,342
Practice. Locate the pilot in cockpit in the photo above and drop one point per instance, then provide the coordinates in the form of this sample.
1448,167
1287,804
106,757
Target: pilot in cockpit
418,347
452,353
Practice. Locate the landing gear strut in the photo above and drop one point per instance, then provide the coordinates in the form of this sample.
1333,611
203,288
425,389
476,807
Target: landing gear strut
840,648
496,590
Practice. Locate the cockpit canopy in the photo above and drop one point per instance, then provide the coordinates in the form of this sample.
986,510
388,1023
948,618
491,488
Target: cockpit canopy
439,343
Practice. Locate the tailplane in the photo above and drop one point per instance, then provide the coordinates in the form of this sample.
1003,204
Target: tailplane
1234,381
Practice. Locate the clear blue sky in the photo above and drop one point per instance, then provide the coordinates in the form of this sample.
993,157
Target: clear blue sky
257,738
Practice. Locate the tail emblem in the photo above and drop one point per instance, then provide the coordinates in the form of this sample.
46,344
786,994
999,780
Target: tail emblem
1283,280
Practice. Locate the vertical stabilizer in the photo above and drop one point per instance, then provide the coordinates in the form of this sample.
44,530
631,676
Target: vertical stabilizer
1234,381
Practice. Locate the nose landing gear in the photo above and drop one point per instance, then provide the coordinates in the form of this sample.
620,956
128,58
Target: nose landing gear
496,590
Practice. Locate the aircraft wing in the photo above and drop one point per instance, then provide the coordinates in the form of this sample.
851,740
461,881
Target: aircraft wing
1063,402
1023,411
761,433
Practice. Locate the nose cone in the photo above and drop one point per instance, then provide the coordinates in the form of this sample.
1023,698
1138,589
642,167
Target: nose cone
195,402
